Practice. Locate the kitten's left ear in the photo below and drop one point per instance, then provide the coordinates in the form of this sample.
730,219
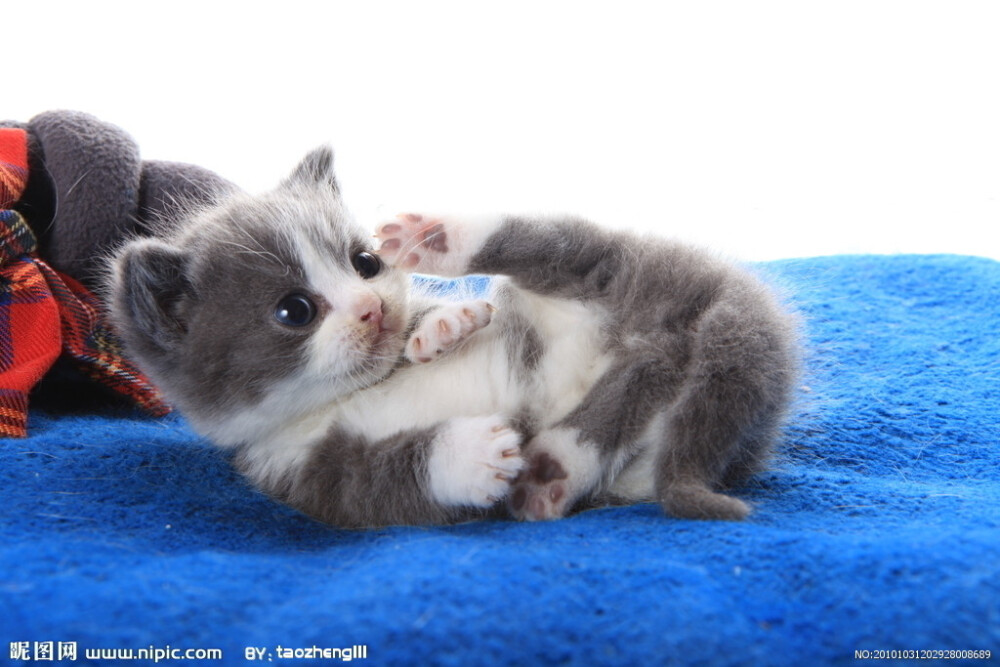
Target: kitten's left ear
316,168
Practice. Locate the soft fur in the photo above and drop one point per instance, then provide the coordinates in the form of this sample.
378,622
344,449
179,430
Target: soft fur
605,367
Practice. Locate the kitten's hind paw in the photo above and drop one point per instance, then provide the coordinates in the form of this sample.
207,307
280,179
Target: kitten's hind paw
434,244
447,327
561,470
412,241
473,461
540,492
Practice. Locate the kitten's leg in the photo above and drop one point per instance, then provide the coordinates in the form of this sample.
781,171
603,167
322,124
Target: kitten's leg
710,409
435,475
706,419
565,257
726,415
446,327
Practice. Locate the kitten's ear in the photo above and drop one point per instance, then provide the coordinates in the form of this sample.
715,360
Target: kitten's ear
149,291
316,168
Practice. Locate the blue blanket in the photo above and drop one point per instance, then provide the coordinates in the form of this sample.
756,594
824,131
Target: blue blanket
877,528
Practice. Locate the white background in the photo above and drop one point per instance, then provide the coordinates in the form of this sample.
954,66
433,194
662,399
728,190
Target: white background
763,129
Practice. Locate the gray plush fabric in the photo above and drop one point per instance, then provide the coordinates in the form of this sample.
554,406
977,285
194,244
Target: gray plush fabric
88,189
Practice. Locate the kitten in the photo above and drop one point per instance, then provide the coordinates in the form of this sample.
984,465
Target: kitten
602,368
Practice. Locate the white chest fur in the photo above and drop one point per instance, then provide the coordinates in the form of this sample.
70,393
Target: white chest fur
481,379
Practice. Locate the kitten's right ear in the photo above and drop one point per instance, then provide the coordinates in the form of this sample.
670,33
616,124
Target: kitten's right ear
149,290
316,168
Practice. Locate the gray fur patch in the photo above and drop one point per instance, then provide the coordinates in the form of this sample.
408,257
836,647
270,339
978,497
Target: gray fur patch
521,339
350,483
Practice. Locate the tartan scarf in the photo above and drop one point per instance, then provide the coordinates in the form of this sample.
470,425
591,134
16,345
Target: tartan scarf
44,313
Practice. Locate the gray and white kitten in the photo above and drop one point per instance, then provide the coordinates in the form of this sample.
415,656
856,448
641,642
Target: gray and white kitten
603,367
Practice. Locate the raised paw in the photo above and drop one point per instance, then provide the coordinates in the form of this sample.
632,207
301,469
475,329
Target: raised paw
473,461
446,328
435,244
411,241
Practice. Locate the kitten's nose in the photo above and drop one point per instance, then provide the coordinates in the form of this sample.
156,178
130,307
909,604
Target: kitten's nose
370,309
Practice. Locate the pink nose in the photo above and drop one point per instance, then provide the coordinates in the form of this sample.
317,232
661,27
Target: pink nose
370,309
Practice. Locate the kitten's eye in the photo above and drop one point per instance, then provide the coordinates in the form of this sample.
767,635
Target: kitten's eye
295,310
366,264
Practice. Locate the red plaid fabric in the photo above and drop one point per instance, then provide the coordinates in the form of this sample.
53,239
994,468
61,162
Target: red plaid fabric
13,165
44,313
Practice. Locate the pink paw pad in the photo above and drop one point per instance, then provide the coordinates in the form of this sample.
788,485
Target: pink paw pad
446,328
407,241
540,492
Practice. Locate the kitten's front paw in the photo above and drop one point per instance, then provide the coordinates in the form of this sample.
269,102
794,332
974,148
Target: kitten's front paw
473,461
446,328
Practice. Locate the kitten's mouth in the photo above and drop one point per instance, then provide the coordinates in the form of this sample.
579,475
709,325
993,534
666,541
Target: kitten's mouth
380,336
380,331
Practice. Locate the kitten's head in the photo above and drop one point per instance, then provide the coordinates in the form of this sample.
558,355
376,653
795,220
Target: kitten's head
260,308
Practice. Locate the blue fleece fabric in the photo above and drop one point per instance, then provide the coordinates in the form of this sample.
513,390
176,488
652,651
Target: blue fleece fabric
878,527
